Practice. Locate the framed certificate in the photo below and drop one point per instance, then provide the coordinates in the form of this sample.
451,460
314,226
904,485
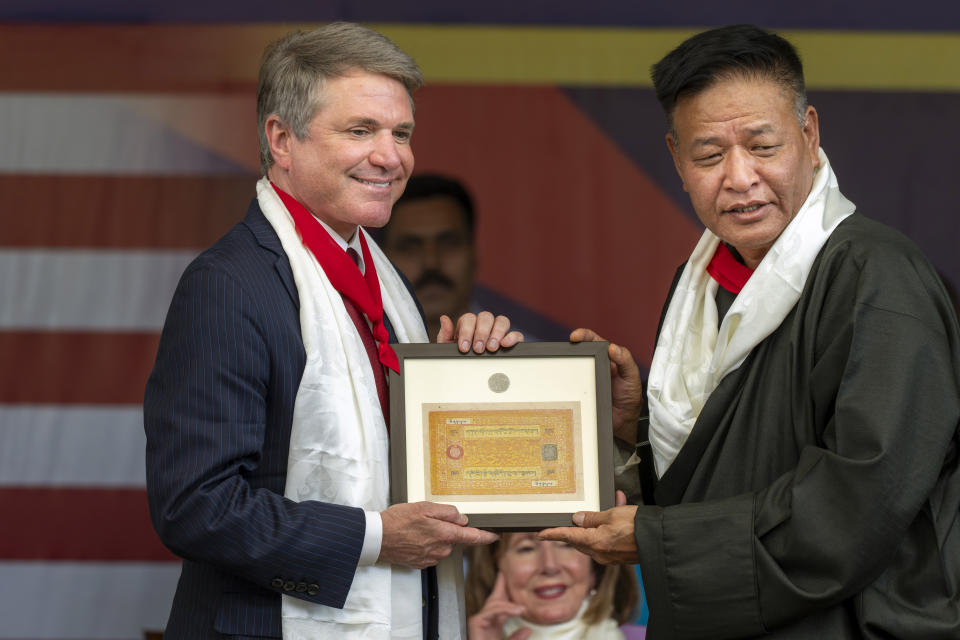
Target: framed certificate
520,439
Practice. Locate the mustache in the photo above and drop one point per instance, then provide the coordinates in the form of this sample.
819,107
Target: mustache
433,276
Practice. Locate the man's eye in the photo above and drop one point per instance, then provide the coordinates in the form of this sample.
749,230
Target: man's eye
409,245
402,136
451,240
358,133
711,158
765,149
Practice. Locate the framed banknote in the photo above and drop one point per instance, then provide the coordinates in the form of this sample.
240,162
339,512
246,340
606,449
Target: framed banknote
519,439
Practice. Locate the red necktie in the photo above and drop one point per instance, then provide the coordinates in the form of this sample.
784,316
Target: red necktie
363,290
371,347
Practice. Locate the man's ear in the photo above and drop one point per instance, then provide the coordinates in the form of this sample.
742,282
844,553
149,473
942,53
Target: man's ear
811,134
672,146
279,139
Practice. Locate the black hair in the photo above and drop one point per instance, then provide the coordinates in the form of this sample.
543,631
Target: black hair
740,50
428,185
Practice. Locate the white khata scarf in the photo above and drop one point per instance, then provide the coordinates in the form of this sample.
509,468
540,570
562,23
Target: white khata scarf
573,629
692,355
339,448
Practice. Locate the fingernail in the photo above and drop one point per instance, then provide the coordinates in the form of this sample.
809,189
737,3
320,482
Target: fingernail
578,518
478,346
492,344
465,345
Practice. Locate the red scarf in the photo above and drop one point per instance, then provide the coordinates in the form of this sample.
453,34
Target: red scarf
363,290
727,270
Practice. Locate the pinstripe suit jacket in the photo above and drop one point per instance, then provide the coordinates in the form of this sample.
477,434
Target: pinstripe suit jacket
217,412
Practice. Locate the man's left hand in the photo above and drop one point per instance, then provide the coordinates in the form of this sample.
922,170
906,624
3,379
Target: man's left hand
605,536
481,332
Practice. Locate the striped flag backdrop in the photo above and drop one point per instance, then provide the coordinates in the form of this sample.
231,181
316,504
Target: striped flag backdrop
105,208
127,144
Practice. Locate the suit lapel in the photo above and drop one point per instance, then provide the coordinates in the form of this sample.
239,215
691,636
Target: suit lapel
282,265
269,240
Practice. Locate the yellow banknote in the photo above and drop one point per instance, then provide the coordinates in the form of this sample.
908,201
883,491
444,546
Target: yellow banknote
528,450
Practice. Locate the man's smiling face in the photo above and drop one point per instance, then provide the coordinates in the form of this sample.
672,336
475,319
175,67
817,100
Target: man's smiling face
356,158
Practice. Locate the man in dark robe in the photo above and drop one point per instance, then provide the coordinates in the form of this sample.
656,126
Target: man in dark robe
799,430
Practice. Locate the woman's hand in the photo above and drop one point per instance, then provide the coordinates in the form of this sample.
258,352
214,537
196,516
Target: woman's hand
487,624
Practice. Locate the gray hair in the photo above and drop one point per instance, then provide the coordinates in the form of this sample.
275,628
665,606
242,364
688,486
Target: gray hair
295,68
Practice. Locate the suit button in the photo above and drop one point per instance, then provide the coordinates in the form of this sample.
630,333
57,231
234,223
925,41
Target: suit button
276,583
313,589
302,587
289,585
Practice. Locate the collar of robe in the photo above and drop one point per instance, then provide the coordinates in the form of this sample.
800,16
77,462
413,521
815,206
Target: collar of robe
729,272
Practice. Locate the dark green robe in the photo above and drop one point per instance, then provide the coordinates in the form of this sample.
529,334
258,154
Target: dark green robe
818,494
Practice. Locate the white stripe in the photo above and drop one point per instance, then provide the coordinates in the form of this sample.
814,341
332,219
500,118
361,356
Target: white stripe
120,134
85,600
88,290
76,446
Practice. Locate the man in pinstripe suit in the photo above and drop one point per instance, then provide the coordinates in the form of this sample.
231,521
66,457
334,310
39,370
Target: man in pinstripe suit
335,122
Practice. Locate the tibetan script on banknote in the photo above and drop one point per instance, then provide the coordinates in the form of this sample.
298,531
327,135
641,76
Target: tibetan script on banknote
500,450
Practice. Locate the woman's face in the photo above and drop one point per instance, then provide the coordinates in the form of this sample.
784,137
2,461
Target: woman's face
551,579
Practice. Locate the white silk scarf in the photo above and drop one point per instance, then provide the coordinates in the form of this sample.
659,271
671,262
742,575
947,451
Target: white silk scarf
692,355
339,447
574,629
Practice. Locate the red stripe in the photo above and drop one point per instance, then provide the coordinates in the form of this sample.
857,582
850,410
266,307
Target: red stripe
78,524
137,58
127,212
62,367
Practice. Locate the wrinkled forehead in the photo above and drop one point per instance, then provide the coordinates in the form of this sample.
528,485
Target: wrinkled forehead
751,104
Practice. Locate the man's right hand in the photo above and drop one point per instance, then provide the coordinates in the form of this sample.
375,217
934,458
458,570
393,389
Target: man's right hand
606,536
626,386
421,534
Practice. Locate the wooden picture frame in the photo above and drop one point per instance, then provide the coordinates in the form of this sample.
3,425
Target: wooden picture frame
518,440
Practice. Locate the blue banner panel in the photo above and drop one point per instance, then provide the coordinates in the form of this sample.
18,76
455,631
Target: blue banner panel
920,15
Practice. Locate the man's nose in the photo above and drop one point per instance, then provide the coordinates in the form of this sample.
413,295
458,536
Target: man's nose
740,172
430,254
385,153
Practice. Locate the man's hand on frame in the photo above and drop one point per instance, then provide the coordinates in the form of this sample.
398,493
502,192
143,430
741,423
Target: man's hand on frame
421,534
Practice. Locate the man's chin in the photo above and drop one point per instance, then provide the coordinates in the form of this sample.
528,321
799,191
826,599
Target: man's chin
432,309
437,295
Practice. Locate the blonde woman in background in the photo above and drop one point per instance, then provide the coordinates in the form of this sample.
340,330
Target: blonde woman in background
523,588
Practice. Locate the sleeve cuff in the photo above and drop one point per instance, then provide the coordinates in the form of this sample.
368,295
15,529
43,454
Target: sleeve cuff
372,539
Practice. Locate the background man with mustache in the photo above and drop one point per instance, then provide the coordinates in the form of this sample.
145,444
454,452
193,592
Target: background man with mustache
430,240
